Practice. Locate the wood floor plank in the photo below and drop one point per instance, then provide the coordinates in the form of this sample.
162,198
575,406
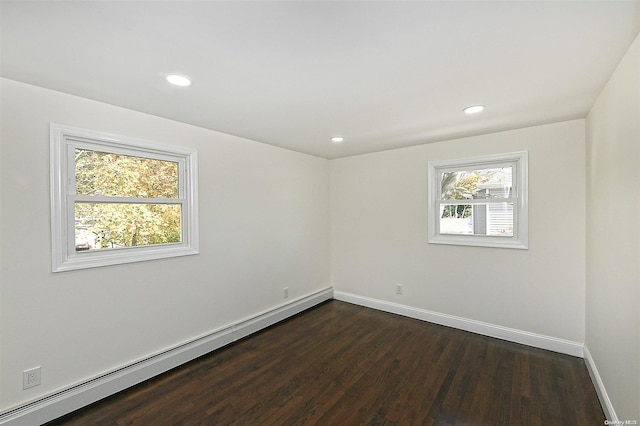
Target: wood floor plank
342,364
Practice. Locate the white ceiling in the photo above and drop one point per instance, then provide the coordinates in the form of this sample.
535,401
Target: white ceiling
384,74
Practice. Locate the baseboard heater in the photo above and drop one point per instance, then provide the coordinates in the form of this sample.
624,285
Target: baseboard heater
97,388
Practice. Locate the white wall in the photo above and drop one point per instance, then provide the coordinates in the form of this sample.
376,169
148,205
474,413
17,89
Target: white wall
264,225
265,219
613,236
379,235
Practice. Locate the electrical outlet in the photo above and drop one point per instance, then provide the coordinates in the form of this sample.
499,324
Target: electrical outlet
30,378
398,288
285,292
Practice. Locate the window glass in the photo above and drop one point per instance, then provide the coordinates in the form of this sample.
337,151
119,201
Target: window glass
495,219
116,225
477,183
109,174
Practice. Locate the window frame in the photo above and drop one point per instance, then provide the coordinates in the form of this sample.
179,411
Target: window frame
63,142
519,197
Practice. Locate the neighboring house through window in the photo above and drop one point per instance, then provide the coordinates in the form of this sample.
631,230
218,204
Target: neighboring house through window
116,200
480,201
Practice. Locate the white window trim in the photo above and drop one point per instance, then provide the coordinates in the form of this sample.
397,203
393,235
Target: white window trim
62,170
520,239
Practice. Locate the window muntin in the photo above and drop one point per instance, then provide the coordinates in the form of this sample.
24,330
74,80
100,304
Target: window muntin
119,200
479,201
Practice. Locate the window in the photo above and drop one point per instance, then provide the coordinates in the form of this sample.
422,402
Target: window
479,201
119,200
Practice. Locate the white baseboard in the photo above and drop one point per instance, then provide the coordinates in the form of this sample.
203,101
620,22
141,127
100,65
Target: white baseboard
510,334
73,398
605,402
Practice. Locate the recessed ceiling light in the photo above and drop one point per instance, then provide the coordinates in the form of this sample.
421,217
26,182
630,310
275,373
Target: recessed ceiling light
178,80
337,139
474,109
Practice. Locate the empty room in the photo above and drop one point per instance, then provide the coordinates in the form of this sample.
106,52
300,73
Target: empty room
319,212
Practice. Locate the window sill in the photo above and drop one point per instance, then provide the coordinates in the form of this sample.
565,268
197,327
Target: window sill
479,241
97,259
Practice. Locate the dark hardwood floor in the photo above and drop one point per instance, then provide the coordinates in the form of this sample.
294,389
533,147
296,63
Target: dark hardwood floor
342,364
